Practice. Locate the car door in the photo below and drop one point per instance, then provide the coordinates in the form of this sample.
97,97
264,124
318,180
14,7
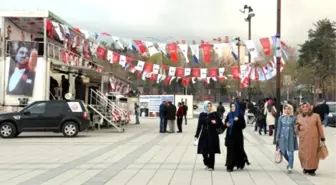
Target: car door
54,114
32,117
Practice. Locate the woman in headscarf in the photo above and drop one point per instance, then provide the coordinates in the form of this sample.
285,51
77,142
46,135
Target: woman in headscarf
234,140
310,131
208,144
286,137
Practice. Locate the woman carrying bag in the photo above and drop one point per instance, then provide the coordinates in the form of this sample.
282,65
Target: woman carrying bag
207,131
286,137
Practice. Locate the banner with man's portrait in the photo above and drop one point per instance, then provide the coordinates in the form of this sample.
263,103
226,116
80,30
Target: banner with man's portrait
22,69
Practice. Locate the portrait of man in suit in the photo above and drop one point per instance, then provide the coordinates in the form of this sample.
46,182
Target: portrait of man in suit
21,74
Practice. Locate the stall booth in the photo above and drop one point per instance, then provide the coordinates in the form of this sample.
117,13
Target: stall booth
150,104
43,58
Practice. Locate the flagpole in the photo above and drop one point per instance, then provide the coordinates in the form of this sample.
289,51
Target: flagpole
278,60
249,58
248,11
238,44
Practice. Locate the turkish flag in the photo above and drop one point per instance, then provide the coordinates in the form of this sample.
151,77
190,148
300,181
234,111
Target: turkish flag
167,80
64,57
185,81
116,57
179,72
235,72
140,45
206,47
265,43
153,77
101,54
172,50
195,72
213,72
148,67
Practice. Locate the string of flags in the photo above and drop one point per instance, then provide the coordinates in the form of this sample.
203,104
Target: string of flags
87,49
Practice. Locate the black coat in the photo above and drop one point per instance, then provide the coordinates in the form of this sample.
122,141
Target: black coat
79,88
235,155
208,142
171,112
236,136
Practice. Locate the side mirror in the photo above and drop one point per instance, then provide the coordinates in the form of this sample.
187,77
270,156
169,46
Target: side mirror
26,113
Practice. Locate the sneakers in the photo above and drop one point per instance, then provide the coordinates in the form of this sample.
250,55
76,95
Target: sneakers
206,167
289,170
211,169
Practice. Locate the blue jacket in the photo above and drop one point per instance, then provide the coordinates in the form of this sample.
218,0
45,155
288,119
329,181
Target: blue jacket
163,110
286,136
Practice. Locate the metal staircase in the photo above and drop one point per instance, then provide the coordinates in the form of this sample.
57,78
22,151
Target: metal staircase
105,111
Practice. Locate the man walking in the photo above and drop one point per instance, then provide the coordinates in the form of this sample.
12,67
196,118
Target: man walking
324,113
185,111
220,110
137,112
179,114
162,114
171,116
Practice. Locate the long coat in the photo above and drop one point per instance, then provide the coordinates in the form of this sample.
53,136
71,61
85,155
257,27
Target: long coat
270,119
310,131
208,142
234,142
286,136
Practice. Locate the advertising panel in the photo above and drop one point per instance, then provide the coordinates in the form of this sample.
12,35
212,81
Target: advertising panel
25,73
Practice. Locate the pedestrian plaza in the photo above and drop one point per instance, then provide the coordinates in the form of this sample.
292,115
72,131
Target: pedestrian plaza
143,156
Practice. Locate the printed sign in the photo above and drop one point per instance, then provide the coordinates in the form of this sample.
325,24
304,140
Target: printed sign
75,107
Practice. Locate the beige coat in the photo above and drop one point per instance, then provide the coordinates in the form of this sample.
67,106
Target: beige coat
270,119
310,131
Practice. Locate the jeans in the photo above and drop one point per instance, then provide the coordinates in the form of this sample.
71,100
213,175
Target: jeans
289,156
137,121
325,121
162,121
185,119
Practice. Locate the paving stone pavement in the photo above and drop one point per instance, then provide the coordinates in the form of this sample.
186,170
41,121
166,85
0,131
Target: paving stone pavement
142,156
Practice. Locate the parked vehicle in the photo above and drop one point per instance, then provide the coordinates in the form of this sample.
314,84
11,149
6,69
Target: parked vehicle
332,114
68,117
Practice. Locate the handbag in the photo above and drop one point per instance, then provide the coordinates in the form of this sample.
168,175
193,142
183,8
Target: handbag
278,156
220,130
323,151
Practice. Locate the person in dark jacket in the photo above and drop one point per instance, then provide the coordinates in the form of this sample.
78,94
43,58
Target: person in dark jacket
260,117
162,113
65,86
220,110
324,113
185,108
171,116
234,141
208,143
79,88
179,115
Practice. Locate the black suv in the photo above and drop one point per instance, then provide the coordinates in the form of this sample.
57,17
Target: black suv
68,117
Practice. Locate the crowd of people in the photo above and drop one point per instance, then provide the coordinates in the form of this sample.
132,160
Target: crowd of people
169,113
292,122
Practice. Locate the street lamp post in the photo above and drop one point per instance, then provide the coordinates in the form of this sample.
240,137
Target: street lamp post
238,45
278,60
249,13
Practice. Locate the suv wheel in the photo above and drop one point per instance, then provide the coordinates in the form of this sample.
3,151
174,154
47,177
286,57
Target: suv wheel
7,130
70,129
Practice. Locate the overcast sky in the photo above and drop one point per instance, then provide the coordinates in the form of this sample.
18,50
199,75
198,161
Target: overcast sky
185,19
